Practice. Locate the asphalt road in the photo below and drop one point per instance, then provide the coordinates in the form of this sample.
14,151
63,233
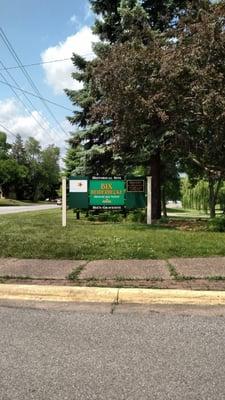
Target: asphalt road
19,209
87,354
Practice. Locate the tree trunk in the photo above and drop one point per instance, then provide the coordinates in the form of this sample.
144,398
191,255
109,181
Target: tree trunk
156,183
164,202
213,195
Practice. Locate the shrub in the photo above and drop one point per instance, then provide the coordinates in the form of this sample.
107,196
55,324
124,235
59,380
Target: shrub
217,224
106,217
164,220
138,216
91,218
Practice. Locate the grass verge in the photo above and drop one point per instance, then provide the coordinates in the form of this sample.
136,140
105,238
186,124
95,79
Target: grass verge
40,235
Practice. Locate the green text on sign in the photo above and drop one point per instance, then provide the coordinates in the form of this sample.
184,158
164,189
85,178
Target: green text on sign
106,192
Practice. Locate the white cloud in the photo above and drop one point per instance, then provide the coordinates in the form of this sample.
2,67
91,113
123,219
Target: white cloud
58,75
7,108
13,117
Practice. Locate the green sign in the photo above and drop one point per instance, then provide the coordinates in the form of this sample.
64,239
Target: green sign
111,193
106,192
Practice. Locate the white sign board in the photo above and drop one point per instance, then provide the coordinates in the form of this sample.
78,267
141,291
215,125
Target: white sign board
76,186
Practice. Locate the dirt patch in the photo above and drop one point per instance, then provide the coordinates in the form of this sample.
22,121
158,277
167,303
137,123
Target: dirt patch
187,225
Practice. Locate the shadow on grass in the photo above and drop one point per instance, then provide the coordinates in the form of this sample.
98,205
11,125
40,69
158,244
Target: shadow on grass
176,210
128,225
189,218
154,227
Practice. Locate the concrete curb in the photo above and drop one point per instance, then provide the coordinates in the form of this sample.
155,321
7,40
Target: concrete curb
171,296
110,295
58,293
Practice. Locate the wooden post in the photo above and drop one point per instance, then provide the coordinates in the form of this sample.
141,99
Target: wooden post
64,205
149,200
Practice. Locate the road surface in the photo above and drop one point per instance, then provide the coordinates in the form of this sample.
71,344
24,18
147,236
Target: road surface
19,209
83,354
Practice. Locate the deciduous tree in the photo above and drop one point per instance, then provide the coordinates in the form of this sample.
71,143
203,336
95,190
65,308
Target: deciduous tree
197,81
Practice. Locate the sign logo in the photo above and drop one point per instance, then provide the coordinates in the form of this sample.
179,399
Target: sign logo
78,186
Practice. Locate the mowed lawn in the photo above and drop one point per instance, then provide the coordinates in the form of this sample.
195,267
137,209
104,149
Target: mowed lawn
40,235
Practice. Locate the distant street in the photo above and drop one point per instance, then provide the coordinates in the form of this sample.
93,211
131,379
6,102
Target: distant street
19,209
87,354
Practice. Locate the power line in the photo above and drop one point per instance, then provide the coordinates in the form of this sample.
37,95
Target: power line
28,77
29,111
35,64
43,62
21,101
8,130
34,95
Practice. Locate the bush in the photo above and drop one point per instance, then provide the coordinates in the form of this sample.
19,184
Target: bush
164,220
106,217
116,217
138,216
91,218
217,224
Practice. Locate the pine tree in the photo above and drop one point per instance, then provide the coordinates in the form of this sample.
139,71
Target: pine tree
163,14
90,151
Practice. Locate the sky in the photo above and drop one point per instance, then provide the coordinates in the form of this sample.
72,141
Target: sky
41,31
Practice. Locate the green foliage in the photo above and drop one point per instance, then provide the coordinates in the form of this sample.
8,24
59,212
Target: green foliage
164,13
221,197
195,197
51,171
91,147
90,150
106,217
171,93
164,220
146,95
138,216
217,224
27,171
197,81
18,151
4,146
161,15
73,276
11,174
109,28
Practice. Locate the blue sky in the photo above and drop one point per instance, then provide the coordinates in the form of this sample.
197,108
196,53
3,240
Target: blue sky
42,30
